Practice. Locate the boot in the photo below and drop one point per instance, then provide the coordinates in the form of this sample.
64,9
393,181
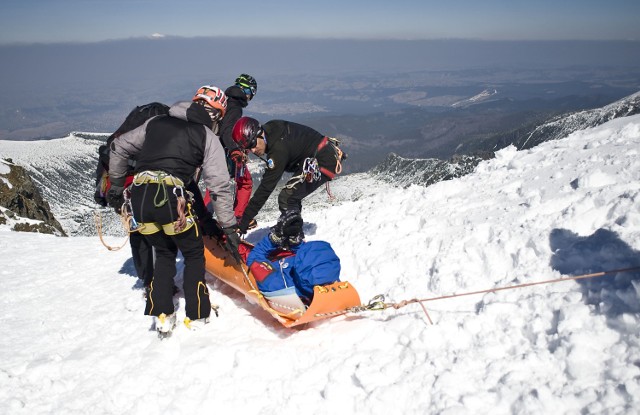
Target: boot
194,325
165,324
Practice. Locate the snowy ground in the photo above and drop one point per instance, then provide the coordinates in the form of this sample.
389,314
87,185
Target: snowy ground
75,339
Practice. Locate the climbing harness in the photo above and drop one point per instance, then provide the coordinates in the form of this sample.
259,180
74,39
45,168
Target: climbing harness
312,171
184,200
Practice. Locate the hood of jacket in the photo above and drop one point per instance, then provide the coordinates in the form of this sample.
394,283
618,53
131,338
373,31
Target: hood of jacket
236,93
190,111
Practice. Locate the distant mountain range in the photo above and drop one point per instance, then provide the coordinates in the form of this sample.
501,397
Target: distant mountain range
63,169
557,127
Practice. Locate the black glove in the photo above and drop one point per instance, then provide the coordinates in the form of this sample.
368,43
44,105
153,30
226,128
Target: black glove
99,199
115,198
291,223
210,227
232,242
242,227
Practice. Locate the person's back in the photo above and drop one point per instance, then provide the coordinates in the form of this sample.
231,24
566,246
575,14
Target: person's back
136,117
174,144
290,143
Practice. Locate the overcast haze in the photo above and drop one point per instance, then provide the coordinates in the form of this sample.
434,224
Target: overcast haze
95,20
71,65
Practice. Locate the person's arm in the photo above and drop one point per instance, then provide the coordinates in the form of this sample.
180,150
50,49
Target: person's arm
122,149
268,183
216,179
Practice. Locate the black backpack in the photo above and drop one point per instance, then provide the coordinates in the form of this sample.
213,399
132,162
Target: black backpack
137,117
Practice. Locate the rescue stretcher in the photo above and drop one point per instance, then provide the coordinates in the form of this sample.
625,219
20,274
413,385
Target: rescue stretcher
328,301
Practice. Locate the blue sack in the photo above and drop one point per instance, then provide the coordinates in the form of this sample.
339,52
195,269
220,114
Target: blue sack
315,263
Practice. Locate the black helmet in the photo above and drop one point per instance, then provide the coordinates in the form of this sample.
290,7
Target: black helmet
245,132
248,84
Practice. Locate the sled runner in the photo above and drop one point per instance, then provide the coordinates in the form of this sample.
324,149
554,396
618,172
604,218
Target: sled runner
328,301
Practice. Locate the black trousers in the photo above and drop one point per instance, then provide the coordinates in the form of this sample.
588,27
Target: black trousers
142,254
190,244
290,198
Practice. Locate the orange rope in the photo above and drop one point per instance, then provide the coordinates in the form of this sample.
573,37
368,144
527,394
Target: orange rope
98,221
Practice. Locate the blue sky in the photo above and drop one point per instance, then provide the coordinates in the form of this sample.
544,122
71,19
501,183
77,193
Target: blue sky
95,20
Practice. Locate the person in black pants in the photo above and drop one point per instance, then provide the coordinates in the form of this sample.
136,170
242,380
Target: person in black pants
169,150
312,157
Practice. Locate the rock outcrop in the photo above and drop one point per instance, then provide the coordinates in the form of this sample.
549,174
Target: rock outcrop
22,205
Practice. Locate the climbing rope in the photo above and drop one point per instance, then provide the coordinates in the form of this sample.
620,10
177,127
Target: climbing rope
126,223
378,303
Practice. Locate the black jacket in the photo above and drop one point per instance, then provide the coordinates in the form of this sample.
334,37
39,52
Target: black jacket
178,144
236,101
288,145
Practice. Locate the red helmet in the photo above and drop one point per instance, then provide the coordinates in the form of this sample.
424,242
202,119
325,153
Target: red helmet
212,96
245,132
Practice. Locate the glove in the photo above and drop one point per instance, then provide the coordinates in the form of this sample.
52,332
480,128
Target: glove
291,223
210,227
242,227
232,242
99,199
238,156
115,198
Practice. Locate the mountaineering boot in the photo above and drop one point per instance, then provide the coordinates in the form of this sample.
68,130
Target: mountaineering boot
194,325
165,324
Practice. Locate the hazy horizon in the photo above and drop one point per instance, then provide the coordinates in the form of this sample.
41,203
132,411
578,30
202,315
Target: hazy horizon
96,20
49,90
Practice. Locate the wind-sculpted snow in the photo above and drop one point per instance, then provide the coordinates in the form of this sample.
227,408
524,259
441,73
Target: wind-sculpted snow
75,339
403,172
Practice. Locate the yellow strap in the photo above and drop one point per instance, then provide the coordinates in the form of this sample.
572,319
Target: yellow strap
149,228
156,177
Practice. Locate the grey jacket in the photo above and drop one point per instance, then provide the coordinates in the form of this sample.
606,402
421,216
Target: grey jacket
178,144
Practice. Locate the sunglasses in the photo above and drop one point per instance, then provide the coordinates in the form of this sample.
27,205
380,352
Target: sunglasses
249,90
253,142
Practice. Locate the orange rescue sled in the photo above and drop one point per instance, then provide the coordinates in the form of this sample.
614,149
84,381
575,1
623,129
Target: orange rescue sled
328,300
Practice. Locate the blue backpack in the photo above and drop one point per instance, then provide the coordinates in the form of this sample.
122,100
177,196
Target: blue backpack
315,263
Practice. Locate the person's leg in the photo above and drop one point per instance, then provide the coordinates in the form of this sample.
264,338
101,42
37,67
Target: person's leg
290,198
196,293
142,253
160,297
244,185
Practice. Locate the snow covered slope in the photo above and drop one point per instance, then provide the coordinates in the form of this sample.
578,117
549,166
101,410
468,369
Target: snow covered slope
564,125
75,339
